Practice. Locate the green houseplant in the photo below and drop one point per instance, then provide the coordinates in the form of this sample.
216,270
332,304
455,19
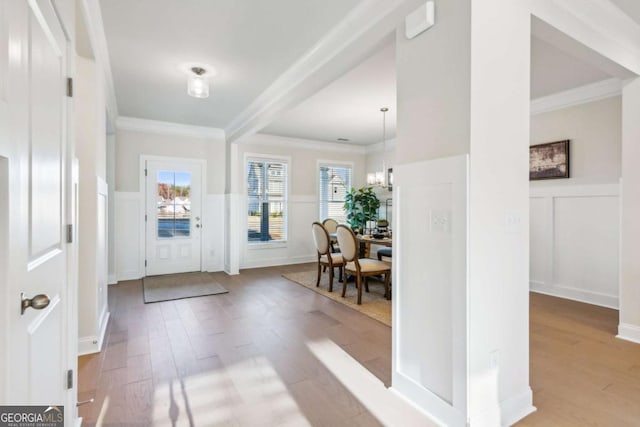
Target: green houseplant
361,206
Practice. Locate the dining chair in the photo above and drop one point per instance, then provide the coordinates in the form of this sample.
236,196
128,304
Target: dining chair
331,225
326,258
361,268
384,252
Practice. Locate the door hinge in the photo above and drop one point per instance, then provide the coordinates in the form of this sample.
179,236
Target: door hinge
69,233
145,217
145,172
145,262
69,87
69,379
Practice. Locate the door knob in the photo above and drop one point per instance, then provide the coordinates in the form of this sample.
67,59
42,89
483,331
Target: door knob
37,303
197,218
198,225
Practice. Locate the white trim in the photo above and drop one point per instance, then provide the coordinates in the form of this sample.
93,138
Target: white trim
517,407
276,244
112,279
93,344
276,261
167,128
301,143
574,294
362,26
78,422
629,332
580,95
92,15
555,191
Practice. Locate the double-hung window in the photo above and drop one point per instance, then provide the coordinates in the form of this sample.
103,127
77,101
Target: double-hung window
335,182
266,201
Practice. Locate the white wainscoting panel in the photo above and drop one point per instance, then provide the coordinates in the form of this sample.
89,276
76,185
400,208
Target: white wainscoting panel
429,364
129,236
574,242
214,232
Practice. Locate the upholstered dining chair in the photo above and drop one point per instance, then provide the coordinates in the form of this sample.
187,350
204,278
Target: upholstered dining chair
331,225
326,258
361,268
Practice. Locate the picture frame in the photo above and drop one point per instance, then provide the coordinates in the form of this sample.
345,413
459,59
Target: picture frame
549,160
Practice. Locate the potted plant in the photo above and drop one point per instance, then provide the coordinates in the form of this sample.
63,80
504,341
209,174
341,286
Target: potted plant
361,206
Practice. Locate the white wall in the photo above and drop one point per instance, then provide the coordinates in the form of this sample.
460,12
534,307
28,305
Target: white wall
129,197
303,207
93,201
574,225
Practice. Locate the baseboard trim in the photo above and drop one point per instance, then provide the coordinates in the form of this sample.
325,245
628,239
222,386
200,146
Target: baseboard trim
112,280
78,422
580,295
129,275
517,407
93,344
629,332
274,262
88,345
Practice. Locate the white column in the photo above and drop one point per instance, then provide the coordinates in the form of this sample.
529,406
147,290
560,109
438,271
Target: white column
629,327
463,118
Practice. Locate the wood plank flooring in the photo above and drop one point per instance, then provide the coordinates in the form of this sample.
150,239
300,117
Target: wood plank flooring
581,375
241,359
238,359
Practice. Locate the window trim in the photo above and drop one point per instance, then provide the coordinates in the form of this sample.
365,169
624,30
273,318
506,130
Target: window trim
273,158
330,163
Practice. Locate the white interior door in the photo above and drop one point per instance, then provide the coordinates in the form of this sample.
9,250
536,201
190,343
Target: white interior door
174,216
35,156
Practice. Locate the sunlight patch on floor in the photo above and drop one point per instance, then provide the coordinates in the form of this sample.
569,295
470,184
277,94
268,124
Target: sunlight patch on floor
389,408
248,392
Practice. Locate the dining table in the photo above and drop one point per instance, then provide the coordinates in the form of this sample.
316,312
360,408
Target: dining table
365,241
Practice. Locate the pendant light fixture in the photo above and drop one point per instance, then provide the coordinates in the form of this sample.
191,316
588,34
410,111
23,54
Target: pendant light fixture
198,83
377,178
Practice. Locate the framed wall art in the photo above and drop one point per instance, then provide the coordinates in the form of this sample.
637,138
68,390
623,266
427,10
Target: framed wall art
549,161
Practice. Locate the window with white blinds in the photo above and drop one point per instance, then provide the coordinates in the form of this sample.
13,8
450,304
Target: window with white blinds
335,182
267,201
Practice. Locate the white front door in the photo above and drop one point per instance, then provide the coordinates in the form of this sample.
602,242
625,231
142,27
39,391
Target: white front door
174,216
34,168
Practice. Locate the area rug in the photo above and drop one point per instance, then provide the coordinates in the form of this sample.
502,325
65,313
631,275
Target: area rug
178,286
373,304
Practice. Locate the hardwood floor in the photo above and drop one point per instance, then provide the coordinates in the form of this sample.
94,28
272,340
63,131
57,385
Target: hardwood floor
241,359
581,375
238,359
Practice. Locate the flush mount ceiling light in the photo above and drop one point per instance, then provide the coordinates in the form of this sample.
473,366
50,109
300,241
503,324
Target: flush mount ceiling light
198,83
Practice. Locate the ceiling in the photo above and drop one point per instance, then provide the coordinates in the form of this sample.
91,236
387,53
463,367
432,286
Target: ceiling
350,106
251,44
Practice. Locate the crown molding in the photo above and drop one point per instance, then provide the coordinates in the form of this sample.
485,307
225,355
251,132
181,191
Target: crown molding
168,128
302,144
93,22
580,95
346,44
